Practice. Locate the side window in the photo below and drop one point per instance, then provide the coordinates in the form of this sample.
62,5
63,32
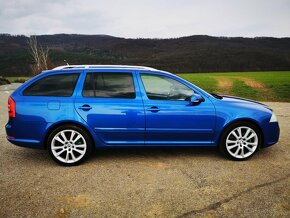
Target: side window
109,85
164,88
54,85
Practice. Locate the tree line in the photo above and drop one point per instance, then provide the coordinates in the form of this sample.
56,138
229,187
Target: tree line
25,56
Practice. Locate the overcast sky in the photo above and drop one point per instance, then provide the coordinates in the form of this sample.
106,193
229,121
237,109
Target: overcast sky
147,18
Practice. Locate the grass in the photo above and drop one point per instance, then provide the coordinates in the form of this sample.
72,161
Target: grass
261,86
12,79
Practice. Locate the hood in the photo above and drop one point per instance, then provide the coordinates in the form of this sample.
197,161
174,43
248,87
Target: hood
243,100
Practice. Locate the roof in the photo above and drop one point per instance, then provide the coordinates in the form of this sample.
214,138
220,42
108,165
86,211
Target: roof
128,67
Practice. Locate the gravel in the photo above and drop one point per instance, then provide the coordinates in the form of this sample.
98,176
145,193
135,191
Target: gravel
146,182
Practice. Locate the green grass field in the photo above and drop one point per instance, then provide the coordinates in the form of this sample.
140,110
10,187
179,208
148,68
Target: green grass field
261,86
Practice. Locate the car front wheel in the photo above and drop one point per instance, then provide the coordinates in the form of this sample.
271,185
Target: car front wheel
69,145
240,141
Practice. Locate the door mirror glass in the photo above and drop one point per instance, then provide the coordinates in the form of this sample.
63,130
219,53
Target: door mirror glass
196,98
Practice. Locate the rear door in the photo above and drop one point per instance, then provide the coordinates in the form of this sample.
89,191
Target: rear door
111,104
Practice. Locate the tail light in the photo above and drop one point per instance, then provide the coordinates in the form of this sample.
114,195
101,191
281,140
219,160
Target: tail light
11,107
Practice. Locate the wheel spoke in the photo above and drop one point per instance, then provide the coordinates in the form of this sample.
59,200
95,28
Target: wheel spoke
237,151
77,138
72,155
63,136
247,133
80,146
250,149
57,147
60,152
72,135
232,146
251,136
242,152
58,139
67,156
252,143
240,132
79,150
231,141
235,135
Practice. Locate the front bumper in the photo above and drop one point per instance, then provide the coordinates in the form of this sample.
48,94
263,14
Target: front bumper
271,134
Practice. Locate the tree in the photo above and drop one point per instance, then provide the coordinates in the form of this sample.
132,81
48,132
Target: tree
39,55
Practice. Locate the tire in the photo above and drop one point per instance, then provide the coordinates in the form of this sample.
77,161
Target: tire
240,141
69,145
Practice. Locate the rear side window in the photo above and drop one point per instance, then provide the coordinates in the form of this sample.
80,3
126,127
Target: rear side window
109,85
55,85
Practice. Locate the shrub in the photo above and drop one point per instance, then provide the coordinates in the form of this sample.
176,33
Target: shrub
4,81
20,80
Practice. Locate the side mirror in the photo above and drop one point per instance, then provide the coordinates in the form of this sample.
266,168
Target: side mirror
196,98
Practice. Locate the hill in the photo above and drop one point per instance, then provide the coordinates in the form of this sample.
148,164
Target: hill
179,55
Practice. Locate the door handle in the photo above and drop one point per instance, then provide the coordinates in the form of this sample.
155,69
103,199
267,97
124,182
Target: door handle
153,109
85,107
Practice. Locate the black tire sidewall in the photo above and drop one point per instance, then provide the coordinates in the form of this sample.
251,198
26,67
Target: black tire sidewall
224,135
79,130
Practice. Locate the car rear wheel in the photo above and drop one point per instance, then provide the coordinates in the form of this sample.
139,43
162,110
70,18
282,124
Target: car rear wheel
240,141
69,145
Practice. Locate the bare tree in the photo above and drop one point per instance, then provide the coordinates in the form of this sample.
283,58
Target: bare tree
44,56
39,55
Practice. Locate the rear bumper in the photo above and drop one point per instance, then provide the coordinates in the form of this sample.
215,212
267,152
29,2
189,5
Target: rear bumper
25,142
271,134
14,138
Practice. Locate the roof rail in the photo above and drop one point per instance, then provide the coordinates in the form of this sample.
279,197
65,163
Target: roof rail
102,66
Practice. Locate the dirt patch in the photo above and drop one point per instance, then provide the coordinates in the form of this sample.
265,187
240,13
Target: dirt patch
263,90
253,83
78,201
62,213
225,83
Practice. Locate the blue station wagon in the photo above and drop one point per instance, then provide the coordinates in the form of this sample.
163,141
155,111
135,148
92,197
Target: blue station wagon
71,110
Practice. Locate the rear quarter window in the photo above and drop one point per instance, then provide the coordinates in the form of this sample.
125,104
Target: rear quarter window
55,85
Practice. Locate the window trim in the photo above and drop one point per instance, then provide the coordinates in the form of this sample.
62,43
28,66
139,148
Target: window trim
106,72
56,74
161,75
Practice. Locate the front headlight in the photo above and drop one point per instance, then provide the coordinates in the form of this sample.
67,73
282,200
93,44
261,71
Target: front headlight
273,118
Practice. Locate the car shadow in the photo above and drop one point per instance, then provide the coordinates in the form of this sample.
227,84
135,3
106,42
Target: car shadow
153,152
41,157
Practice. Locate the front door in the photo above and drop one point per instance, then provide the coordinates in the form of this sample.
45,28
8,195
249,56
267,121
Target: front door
171,119
111,104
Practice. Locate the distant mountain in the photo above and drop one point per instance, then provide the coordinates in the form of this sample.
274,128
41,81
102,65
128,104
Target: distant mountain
178,55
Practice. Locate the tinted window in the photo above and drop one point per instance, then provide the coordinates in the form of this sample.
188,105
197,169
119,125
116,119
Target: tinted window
164,88
109,85
54,85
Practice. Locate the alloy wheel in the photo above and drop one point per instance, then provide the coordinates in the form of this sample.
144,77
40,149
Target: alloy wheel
242,142
68,146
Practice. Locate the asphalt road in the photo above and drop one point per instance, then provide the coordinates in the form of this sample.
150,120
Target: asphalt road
146,182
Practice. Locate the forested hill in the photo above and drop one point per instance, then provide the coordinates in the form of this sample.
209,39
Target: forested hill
179,55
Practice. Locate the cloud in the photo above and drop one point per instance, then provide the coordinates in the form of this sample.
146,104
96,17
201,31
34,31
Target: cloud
147,18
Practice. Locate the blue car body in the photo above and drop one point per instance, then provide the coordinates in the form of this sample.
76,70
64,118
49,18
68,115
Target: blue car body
114,122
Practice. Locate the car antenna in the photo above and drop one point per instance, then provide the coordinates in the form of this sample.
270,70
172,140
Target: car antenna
66,62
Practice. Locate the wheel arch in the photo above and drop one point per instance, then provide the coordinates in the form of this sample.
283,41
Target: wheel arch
56,125
248,120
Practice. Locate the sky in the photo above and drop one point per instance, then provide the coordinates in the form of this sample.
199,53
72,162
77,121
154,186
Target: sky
147,18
